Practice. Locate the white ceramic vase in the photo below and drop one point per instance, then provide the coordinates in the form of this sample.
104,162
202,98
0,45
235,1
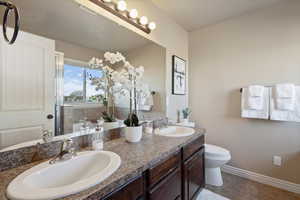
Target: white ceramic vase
133,134
111,125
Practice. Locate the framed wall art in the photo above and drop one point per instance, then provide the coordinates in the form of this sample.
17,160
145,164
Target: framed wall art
178,76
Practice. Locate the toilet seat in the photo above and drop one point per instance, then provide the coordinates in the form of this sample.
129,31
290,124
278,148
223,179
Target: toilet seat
216,153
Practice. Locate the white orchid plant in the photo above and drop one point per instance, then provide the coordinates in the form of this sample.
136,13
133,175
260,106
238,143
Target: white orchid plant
108,82
127,81
131,79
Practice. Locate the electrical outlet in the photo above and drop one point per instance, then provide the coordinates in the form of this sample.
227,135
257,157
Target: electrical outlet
277,161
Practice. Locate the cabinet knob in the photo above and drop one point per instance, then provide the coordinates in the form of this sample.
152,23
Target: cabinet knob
50,116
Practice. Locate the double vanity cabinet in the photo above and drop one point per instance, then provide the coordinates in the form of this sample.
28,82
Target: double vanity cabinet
179,177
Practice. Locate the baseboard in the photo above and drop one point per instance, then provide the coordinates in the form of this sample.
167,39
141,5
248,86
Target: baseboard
278,183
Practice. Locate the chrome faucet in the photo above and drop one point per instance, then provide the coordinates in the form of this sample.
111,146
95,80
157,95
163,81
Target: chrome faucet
165,123
161,124
67,152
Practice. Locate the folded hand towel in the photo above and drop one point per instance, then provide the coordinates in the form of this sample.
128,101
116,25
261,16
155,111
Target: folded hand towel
246,112
255,98
146,103
256,90
285,104
149,101
285,115
286,90
255,103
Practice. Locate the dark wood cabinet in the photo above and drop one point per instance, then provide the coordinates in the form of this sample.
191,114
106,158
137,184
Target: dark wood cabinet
192,148
181,176
162,169
193,175
131,191
168,189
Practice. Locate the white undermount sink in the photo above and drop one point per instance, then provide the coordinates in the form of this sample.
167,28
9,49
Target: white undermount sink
175,131
51,181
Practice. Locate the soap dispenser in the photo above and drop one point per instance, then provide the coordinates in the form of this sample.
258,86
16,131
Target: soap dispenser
98,138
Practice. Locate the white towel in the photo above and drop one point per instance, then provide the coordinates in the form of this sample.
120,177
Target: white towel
255,103
255,98
285,103
285,96
146,103
285,115
285,90
246,112
256,90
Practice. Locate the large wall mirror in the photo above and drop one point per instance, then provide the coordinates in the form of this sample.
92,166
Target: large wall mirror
46,80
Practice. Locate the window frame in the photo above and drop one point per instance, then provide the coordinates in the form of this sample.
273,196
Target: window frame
60,82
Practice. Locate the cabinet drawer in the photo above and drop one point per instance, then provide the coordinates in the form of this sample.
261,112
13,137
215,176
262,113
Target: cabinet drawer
193,147
132,191
169,188
162,169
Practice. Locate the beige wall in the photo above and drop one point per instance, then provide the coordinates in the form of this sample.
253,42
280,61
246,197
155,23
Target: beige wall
261,48
168,34
77,52
152,57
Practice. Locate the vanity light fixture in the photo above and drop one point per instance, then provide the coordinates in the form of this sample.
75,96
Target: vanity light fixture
119,9
133,14
121,5
152,26
144,20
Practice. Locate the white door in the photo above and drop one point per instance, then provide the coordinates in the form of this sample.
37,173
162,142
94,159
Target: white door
27,74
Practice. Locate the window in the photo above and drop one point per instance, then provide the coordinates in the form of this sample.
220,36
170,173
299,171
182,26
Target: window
92,95
77,84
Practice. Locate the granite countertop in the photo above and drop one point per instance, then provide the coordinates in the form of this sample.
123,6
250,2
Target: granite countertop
136,158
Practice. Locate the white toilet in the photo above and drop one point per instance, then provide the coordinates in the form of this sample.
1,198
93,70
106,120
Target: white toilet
215,158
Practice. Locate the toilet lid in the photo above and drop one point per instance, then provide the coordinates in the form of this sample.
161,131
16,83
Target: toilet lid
212,150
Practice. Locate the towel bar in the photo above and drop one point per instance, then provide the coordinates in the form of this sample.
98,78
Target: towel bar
241,90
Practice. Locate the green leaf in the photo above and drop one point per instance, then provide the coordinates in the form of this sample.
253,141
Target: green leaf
107,117
132,120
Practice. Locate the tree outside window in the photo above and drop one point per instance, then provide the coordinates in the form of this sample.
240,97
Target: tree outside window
78,87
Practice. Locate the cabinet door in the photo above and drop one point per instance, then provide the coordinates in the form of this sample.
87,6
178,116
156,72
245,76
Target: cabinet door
169,188
132,191
193,175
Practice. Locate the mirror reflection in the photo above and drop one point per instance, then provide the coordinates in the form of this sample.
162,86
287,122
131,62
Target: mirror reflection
50,86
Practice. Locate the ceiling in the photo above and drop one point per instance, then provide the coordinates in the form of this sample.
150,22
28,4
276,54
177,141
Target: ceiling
56,19
65,20
194,14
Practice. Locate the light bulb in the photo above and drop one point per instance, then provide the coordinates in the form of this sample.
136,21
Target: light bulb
107,1
122,5
144,20
152,26
133,13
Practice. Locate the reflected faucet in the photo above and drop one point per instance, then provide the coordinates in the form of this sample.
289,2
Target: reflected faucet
161,124
47,136
165,123
67,152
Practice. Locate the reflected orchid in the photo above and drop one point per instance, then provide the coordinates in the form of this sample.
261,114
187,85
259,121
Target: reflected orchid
127,81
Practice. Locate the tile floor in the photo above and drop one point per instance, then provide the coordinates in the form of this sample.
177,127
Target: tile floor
237,188
208,195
